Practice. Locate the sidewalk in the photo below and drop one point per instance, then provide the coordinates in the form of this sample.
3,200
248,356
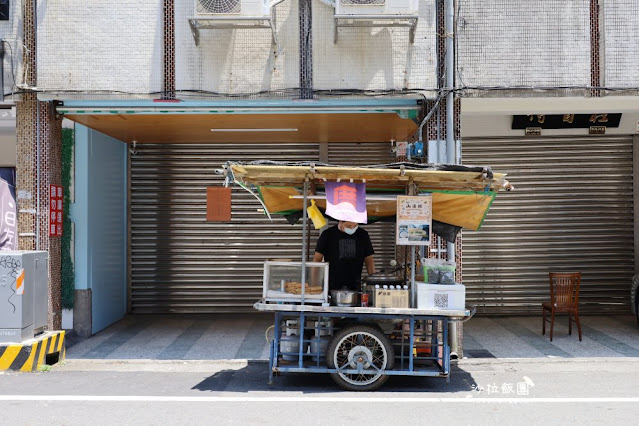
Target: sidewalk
242,337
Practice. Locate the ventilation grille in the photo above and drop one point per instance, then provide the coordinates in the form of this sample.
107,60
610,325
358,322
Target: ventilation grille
218,6
363,2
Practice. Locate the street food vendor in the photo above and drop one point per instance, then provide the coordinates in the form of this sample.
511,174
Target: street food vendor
346,247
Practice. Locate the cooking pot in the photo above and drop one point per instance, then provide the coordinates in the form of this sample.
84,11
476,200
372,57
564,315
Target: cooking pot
344,298
384,278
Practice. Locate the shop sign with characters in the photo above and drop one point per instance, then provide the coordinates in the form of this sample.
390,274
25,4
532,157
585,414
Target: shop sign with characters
414,220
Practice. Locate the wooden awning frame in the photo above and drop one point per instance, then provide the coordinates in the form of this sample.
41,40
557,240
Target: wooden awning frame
442,180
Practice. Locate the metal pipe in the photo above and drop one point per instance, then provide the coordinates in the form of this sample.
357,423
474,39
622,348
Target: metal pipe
413,292
323,197
374,17
304,232
1,70
222,110
450,136
450,82
233,18
38,138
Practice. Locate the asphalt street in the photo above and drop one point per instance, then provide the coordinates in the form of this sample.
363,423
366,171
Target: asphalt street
480,391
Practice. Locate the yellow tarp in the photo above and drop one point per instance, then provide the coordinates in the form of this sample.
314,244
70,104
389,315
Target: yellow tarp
466,210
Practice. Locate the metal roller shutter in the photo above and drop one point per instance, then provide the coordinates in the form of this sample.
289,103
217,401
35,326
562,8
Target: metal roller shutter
181,263
572,210
360,154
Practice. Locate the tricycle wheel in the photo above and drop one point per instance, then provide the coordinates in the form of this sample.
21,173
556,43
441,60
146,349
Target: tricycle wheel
363,348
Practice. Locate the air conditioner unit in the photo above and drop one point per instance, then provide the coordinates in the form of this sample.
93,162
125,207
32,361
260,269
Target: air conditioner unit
230,8
376,7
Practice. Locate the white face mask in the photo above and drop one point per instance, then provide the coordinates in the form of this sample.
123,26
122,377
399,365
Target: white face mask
350,231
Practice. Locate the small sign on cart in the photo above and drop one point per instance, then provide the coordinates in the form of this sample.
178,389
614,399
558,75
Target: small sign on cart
55,210
414,220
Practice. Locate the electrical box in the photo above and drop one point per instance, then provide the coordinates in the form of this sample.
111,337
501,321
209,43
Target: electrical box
23,294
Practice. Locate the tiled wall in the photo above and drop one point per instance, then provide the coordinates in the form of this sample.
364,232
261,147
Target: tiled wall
11,33
168,59
237,60
621,43
374,58
97,45
38,165
531,43
121,46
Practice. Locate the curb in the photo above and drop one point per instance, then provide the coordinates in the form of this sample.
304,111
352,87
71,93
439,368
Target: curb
46,349
213,366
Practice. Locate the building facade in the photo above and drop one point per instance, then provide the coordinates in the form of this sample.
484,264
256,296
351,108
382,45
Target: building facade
163,92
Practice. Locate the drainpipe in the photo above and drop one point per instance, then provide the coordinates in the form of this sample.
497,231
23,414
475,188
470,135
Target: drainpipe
38,156
38,138
1,71
450,137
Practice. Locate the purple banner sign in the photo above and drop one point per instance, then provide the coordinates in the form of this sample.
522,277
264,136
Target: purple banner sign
346,201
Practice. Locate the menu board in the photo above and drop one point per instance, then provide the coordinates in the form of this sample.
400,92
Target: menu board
414,220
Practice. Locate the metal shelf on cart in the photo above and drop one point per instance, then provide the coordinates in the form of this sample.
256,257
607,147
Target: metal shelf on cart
336,310
433,371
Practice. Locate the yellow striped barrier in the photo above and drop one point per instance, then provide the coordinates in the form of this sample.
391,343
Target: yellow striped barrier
30,355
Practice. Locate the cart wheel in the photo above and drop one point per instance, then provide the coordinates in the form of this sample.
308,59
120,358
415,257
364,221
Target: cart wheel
363,348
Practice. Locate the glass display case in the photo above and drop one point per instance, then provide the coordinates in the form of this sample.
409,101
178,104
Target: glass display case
283,282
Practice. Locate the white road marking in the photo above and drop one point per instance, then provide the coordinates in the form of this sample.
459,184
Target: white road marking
372,399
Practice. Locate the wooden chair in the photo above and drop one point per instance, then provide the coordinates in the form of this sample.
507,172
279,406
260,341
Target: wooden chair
564,298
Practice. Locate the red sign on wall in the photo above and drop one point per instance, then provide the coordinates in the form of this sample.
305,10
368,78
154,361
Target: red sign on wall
55,211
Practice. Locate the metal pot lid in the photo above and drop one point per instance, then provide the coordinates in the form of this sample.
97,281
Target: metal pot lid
383,277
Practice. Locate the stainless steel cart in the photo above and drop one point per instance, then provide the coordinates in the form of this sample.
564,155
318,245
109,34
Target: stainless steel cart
367,344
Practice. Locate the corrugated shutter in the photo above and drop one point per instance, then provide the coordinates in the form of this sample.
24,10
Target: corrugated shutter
360,154
181,263
572,210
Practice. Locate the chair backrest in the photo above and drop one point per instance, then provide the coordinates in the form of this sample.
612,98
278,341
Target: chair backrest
564,289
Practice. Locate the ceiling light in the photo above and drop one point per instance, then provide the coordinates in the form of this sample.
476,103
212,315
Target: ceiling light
256,130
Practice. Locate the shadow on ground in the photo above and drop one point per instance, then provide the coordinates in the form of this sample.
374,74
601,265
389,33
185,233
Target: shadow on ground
254,378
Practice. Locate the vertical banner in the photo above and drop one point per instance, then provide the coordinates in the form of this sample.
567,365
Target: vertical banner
346,201
8,214
414,220
55,211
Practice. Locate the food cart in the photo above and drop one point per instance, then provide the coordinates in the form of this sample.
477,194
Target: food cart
361,346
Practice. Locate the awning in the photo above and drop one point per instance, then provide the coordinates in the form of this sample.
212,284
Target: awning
462,195
292,121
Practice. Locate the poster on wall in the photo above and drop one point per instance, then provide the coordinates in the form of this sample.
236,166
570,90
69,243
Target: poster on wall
8,240
55,211
414,220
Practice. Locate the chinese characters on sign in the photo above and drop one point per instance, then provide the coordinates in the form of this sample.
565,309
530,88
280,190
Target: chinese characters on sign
346,201
55,211
566,121
414,220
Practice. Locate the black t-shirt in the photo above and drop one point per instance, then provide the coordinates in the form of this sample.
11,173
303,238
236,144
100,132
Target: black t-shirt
345,255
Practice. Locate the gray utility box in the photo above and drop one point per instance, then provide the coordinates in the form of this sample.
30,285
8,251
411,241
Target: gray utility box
23,294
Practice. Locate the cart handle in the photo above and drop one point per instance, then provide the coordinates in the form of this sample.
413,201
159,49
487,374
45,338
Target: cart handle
473,310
